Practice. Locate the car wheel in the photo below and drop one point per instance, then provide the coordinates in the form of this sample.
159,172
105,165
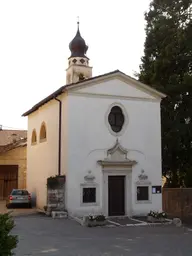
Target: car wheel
8,206
29,205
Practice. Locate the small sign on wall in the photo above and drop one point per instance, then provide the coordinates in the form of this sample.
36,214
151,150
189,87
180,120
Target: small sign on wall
156,189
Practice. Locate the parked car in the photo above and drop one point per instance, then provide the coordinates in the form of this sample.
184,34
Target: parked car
19,198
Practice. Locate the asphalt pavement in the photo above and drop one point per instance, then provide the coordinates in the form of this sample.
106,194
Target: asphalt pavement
40,235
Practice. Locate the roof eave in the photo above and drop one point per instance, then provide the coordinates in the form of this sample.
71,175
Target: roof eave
88,81
44,101
147,87
62,89
13,145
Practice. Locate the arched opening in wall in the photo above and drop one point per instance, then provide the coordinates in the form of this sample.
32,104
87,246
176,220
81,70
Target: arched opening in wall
34,137
43,133
81,77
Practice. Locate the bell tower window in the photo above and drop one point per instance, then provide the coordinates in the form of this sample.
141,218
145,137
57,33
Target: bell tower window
81,77
78,63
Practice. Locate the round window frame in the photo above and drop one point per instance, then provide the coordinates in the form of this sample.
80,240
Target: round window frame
126,120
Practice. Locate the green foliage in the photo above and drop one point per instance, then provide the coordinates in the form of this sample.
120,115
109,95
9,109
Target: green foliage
52,182
188,178
7,242
100,217
55,182
167,66
157,215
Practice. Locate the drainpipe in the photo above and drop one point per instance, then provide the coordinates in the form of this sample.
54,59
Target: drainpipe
59,142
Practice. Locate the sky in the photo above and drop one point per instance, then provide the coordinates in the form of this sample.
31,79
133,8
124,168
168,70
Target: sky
34,39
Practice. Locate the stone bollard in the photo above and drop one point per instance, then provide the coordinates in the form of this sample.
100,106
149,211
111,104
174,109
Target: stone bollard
85,221
59,215
177,222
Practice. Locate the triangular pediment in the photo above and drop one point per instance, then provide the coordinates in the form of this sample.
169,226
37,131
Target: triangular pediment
116,84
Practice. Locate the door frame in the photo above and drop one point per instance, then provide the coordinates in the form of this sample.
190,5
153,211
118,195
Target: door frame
127,187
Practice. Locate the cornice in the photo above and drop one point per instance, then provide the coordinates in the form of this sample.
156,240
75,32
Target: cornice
108,163
110,96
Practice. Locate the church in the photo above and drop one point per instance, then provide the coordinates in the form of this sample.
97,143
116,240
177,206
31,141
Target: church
104,134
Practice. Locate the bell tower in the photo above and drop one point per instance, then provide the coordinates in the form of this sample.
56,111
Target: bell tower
78,63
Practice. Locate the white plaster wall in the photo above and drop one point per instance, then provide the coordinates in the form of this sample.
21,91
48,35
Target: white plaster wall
78,62
73,71
42,158
89,139
116,87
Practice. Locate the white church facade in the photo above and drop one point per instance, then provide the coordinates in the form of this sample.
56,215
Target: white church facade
104,134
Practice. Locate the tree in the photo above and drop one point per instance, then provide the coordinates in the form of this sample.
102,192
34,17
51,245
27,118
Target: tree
7,242
167,66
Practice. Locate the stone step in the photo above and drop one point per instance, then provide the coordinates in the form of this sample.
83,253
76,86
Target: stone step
59,214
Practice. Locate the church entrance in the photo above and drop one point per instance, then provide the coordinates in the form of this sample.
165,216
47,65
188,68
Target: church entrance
116,195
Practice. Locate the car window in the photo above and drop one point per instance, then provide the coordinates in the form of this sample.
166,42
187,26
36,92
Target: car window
19,192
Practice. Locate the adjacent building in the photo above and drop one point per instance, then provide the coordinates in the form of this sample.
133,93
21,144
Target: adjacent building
13,160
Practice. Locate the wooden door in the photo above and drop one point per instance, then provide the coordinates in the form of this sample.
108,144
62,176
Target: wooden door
8,180
116,195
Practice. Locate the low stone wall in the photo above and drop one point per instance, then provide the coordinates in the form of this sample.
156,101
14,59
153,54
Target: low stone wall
56,196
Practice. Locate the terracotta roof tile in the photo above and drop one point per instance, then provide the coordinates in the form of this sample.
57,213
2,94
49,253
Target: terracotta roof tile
8,136
17,144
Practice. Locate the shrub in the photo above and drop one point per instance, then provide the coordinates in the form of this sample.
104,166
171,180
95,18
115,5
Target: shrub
97,218
55,182
52,182
157,215
100,218
8,242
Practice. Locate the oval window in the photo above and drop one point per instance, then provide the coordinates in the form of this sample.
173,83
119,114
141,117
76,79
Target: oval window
116,119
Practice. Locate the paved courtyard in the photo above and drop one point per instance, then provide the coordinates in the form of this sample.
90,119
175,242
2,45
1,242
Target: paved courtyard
15,212
40,235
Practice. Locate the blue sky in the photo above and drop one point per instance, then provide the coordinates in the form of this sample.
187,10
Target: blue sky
34,38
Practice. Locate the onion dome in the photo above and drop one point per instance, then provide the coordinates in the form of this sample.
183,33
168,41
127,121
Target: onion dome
78,46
